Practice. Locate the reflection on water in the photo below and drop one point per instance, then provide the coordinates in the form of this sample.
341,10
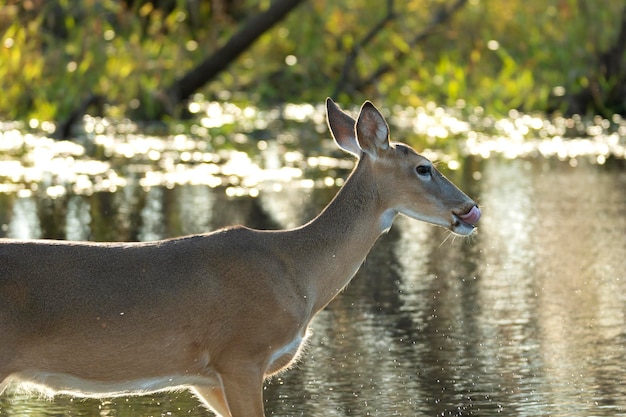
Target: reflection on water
527,318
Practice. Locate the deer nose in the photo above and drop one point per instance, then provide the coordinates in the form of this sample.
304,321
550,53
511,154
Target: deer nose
472,216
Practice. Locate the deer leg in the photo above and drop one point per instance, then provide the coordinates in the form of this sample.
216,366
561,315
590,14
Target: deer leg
213,398
244,393
3,385
4,378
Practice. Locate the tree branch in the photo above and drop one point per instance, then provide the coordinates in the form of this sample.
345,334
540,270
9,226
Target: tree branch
440,17
208,69
359,46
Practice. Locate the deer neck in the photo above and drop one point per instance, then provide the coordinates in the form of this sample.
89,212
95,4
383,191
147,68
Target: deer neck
335,243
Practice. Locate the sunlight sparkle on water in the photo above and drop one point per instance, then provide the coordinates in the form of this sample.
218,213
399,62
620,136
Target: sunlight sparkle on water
299,112
266,151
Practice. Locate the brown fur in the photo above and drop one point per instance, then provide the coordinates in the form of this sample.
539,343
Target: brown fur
217,312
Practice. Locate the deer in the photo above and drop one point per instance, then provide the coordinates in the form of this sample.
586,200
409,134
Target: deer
215,313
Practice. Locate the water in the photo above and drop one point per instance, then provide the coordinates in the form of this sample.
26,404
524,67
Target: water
526,318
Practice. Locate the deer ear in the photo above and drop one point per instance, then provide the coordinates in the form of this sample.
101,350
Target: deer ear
372,131
342,127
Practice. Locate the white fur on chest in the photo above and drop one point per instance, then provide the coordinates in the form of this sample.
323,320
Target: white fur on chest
287,354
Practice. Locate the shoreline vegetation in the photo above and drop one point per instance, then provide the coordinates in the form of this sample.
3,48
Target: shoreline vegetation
147,60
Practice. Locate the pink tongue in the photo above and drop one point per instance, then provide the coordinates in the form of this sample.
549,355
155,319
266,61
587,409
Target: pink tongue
471,216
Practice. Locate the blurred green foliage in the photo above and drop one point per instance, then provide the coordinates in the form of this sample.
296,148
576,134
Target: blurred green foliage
499,55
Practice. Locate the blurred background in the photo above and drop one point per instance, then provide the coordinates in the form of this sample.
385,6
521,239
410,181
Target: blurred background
136,57
134,120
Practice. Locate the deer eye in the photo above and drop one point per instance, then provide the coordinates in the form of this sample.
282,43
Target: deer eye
424,170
